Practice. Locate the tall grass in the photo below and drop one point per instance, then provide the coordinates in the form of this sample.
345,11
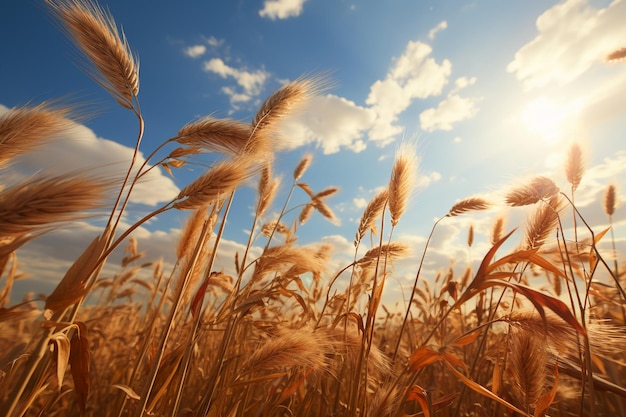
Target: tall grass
537,329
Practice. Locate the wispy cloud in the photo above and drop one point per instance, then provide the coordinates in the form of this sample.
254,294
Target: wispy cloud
441,26
572,36
281,9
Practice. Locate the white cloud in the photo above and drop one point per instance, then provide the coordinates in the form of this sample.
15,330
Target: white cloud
331,122
359,202
251,82
195,51
79,150
413,75
281,9
572,37
441,26
451,110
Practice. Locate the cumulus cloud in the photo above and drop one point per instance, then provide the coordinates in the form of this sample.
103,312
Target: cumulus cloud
414,75
281,9
449,111
79,150
331,122
572,36
251,82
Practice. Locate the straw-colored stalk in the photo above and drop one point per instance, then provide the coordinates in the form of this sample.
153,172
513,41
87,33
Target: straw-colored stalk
95,33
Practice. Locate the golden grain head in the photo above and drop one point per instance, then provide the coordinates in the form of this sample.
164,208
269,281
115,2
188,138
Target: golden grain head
574,166
23,128
95,33
609,200
221,180
468,204
617,55
371,213
215,135
40,202
302,166
403,177
538,188
542,222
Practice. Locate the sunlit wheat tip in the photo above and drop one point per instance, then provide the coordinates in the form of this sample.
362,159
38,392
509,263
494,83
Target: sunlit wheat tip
373,210
94,32
324,210
542,223
468,204
574,167
302,166
609,200
217,183
617,55
23,128
402,181
395,250
538,188
497,230
306,212
215,135
528,357
292,348
283,101
40,202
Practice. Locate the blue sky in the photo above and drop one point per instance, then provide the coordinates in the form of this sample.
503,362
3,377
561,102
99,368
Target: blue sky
491,92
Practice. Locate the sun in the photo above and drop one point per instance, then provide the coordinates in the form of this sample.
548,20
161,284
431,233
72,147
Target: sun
545,119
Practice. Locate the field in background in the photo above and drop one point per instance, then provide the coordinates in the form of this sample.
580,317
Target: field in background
536,329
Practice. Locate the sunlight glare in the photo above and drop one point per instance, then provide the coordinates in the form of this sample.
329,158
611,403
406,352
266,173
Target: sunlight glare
544,119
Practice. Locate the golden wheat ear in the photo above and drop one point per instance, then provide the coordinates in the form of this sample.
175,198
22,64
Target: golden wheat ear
538,188
402,181
215,135
40,203
95,33
23,128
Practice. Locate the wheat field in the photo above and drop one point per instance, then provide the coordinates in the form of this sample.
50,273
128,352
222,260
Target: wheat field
537,329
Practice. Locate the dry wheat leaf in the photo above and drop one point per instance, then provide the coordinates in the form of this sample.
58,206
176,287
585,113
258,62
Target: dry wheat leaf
420,395
62,351
127,390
